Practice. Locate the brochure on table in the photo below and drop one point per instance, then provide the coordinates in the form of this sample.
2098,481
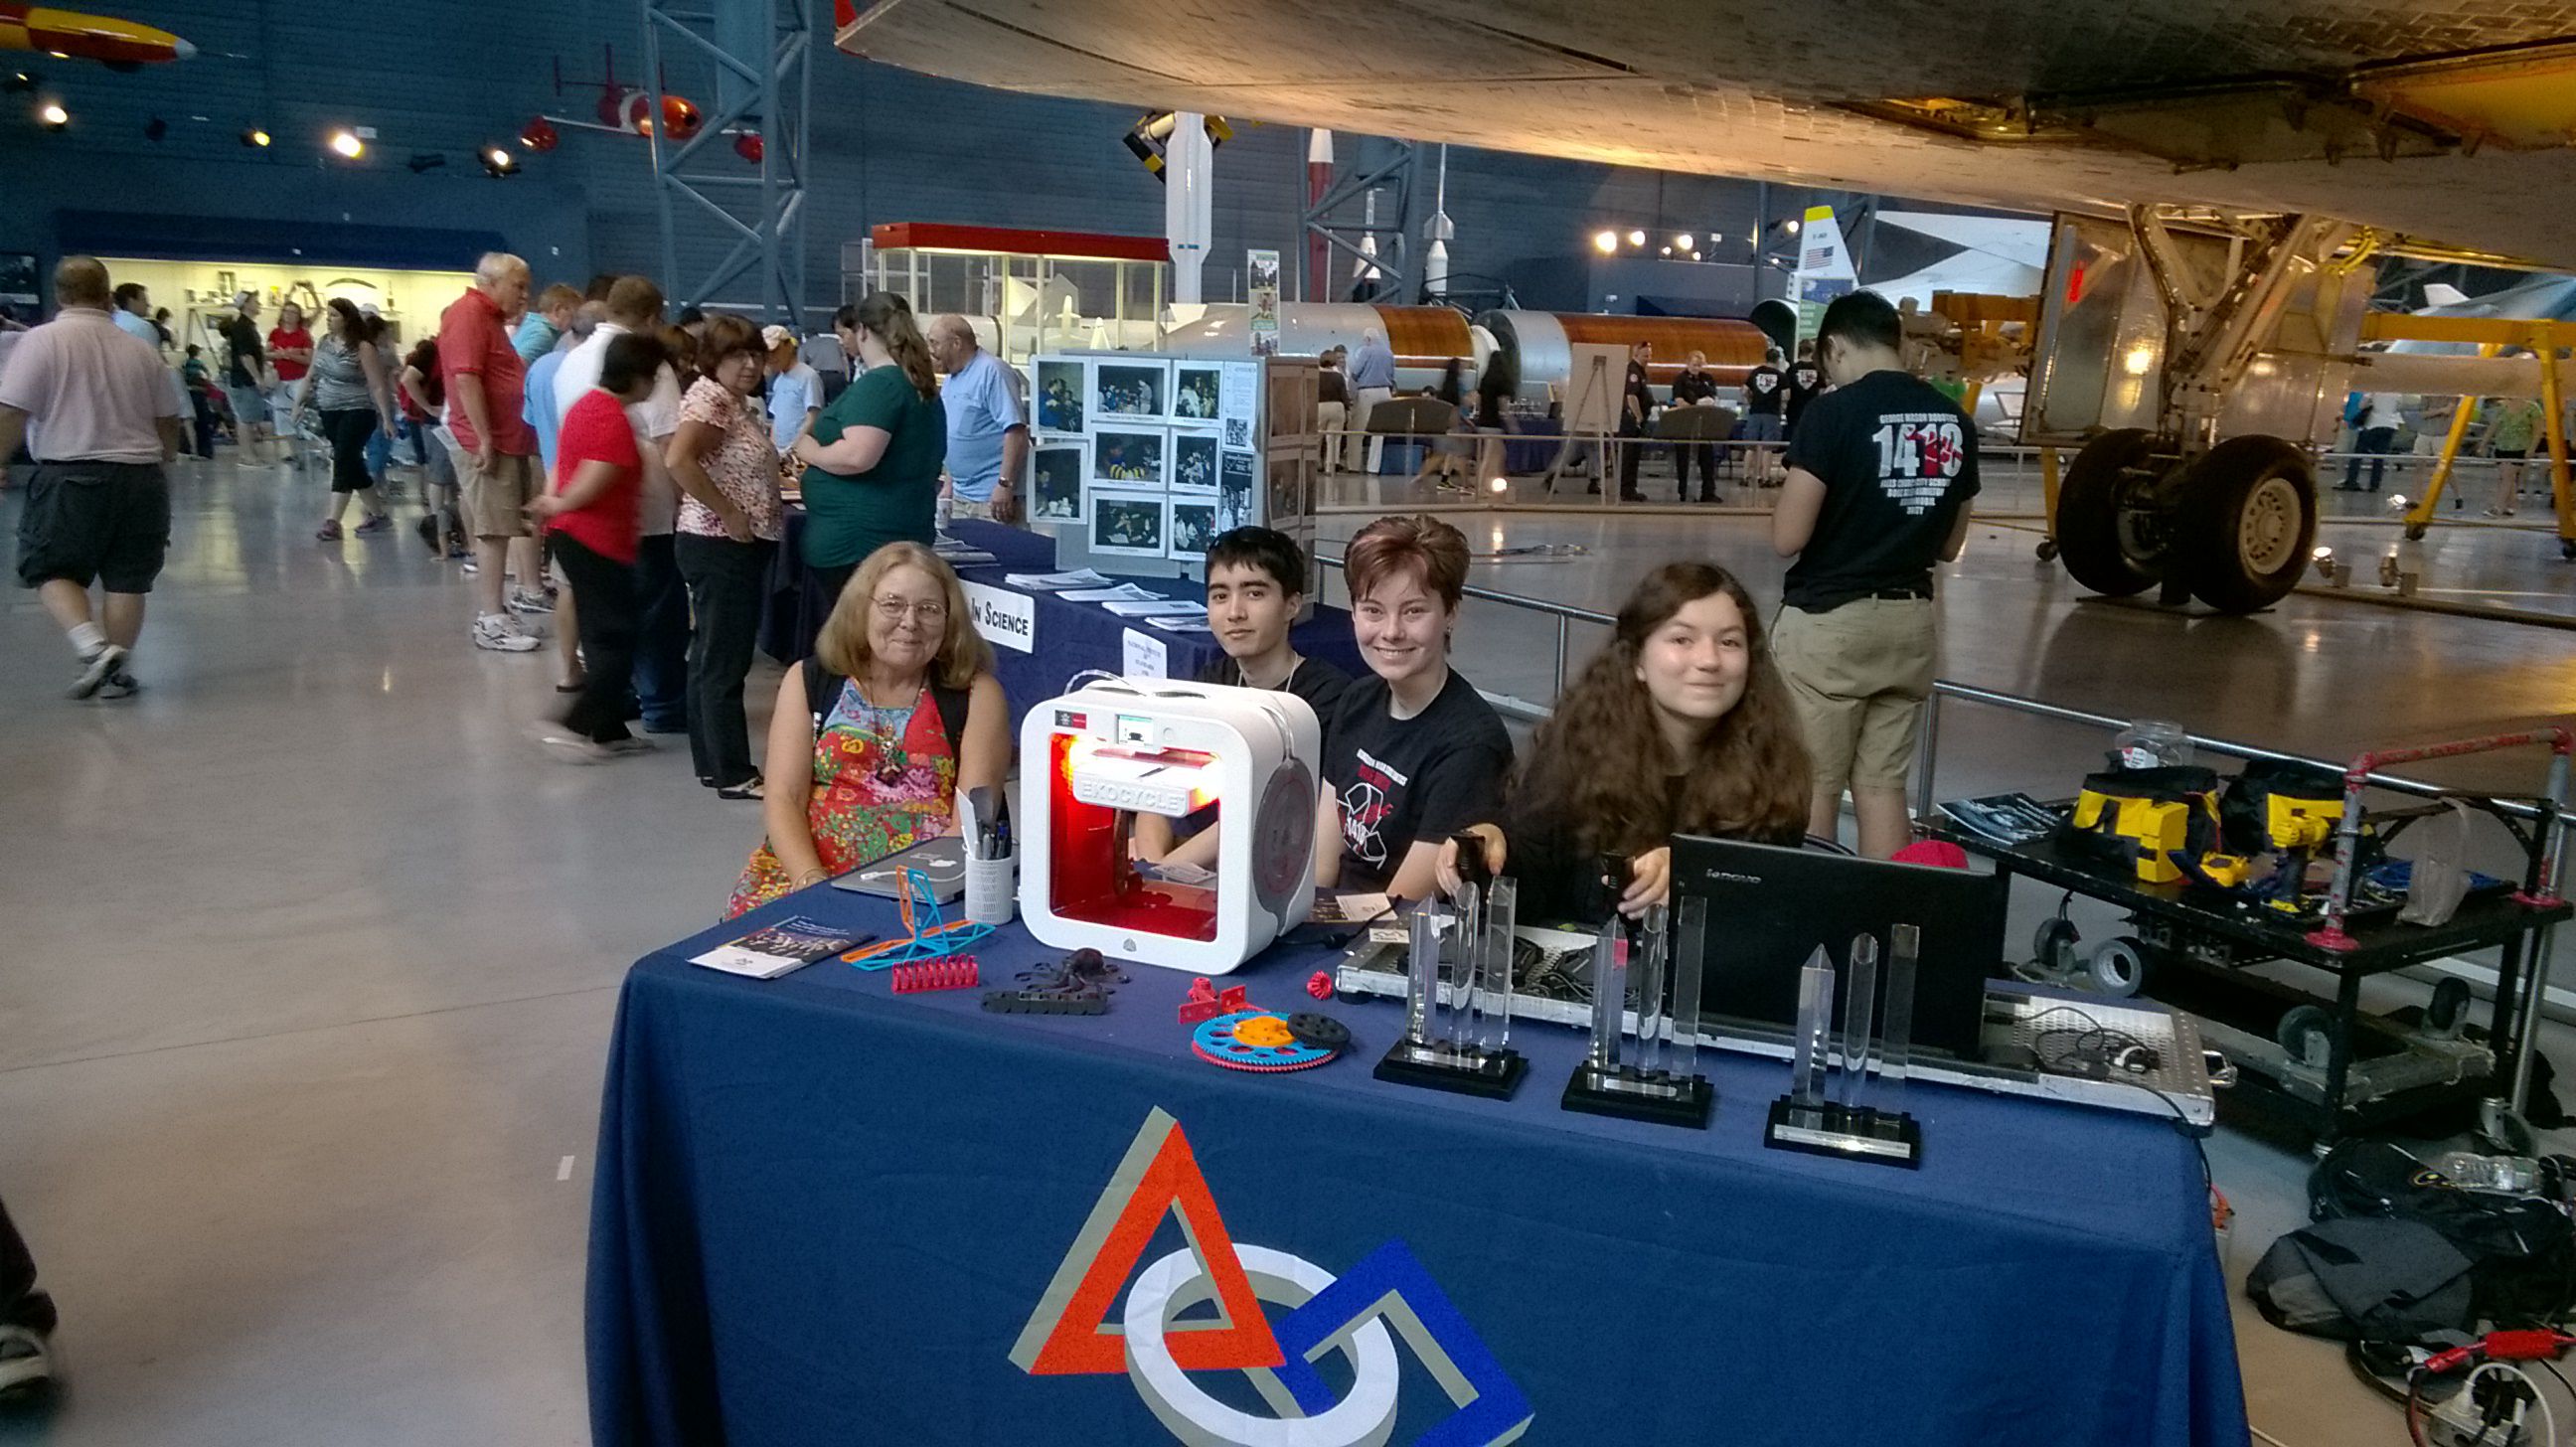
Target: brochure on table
1141,458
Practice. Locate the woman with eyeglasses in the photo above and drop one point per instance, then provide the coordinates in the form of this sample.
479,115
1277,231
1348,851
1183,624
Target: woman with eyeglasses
897,708
729,523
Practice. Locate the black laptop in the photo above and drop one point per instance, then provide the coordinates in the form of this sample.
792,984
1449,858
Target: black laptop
1770,907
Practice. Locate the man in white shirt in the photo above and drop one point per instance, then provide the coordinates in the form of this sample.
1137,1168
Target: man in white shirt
795,388
98,504
661,600
132,314
2374,437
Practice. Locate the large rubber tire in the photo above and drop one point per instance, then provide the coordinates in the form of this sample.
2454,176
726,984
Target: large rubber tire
2088,513
2246,523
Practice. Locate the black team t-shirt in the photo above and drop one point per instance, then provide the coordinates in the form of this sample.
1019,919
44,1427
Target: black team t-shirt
1314,680
1806,379
1403,780
1693,385
1898,460
1765,388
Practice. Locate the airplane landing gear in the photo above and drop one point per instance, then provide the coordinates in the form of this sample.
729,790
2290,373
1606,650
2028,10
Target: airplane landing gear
2232,526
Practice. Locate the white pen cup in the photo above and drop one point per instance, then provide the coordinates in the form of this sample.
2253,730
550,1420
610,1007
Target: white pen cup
991,892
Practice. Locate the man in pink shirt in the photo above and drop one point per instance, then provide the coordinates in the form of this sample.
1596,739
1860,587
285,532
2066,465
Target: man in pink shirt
486,407
98,504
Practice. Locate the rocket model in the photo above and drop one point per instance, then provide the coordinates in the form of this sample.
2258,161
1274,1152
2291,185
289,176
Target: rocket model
117,44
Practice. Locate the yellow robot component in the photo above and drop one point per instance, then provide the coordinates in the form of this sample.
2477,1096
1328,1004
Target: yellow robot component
2150,816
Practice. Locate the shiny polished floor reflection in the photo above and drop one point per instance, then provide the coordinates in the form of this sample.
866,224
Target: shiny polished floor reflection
311,954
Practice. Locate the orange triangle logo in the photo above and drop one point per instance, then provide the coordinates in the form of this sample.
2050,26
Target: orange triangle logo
1069,1334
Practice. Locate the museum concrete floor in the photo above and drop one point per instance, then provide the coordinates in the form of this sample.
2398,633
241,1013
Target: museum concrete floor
310,954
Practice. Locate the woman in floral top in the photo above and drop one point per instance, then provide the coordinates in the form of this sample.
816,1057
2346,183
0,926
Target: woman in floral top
729,523
898,709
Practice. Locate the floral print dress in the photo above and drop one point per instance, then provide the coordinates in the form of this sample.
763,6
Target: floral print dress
885,779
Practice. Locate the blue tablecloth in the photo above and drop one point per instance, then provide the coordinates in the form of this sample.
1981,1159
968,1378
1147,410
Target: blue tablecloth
1070,637
827,1213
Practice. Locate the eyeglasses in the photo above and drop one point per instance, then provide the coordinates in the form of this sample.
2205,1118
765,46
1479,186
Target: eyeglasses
901,608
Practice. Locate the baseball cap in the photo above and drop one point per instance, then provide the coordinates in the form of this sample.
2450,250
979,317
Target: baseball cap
775,336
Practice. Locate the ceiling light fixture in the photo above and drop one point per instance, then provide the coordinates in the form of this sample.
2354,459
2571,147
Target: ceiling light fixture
346,143
1682,242
52,116
254,137
1636,238
155,129
1605,242
422,161
498,163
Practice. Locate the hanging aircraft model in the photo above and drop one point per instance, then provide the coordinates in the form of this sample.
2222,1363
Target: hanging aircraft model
2223,179
70,35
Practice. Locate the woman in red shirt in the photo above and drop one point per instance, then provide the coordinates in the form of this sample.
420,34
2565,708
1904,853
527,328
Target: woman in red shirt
290,351
589,522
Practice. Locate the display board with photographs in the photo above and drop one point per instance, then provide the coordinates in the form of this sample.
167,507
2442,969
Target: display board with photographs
1123,391
1144,456
1057,465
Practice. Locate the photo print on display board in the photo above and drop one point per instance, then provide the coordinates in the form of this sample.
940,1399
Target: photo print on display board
1127,523
1057,465
1063,390
1193,528
1195,389
1287,489
1234,491
1194,461
1134,457
1129,389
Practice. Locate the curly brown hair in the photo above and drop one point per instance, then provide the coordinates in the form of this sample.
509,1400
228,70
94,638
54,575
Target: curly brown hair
1602,766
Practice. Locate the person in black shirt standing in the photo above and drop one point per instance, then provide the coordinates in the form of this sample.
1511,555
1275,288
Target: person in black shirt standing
1693,387
246,374
1416,753
1806,379
1766,387
1880,475
1636,403
1680,725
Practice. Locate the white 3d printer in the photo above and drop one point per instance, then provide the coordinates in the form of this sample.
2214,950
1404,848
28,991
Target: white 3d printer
1121,747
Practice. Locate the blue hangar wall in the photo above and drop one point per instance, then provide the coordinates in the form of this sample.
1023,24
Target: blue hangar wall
444,76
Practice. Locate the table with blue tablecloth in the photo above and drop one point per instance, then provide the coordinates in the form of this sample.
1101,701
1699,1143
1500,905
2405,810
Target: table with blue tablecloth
1069,638
825,1212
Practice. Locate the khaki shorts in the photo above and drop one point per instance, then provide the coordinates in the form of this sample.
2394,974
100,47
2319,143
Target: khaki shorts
496,501
1859,676
965,508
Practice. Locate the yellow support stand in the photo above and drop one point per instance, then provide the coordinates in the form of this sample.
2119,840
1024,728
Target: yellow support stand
2048,502
2420,516
2553,407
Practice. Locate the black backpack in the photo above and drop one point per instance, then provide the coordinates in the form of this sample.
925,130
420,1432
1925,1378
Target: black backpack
823,687
2521,1249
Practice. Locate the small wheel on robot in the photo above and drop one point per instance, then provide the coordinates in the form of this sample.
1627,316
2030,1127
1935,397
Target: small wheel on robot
2046,552
2052,946
2448,1012
2567,550
2118,967
2415,531
2307,1032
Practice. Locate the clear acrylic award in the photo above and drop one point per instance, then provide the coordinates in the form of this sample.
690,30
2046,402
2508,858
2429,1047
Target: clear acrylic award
1658,1080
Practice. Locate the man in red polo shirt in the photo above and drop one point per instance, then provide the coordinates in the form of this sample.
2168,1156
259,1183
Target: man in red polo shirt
486,382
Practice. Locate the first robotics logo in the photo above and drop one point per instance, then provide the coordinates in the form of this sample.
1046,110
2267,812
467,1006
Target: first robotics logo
1069,1334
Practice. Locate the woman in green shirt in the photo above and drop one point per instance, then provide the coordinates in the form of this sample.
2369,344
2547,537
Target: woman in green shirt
872,458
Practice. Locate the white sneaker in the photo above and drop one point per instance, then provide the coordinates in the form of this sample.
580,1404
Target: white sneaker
574,749
499,633
523,601
97,669
26,1363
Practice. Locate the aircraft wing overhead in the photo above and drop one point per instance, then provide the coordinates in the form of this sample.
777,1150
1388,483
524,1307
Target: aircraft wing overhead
2430,118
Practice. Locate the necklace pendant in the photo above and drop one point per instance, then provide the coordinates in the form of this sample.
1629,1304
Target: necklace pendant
890,772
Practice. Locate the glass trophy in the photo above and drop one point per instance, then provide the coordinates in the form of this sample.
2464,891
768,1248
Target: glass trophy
1834,1118
1658,1080
1458,994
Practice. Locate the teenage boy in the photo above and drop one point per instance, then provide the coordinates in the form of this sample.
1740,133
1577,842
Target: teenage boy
1880,473
1256,586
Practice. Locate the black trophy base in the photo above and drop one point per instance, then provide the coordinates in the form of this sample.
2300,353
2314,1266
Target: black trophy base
1851,1133
1494,1074
1681,1100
